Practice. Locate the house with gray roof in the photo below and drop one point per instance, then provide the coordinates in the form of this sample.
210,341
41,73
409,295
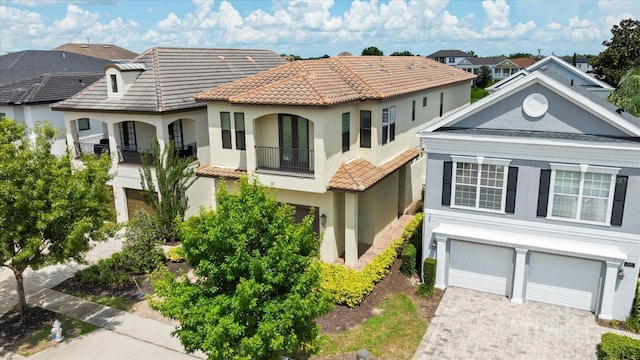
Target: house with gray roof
31,80
533,194
102,51
449,57
152,96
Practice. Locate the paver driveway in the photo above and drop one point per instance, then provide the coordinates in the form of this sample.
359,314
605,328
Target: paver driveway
475,325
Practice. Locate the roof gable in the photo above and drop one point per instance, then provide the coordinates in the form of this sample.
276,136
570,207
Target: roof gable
570,110
569,71
448,53
46,88
102,51
338,80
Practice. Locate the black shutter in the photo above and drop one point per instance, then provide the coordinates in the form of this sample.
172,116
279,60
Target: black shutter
618,200
512,184
543,192
446,183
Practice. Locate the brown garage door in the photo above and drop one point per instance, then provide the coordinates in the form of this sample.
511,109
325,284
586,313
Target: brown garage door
135,200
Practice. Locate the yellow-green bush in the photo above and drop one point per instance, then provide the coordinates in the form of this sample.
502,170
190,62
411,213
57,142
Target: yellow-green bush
348,286
613,346
176,254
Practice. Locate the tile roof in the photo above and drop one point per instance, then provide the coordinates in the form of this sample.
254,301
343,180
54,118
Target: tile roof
529,134
359,174
102,51
447,53
219,172
46,88
523,62
337,80
484,60
173,75
31,63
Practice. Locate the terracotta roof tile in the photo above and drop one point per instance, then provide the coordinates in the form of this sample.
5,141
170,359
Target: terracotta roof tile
219,172
523,62
338,80
359,174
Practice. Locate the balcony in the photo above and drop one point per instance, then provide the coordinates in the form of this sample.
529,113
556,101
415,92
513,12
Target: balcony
284,161
94,146
133,155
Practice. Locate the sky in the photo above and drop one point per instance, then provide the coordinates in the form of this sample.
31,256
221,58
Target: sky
313,28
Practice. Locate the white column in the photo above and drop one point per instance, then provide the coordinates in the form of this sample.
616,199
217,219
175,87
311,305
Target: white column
608,290
114,143
120,199
162,133
71,131
441,257
350,229
518,276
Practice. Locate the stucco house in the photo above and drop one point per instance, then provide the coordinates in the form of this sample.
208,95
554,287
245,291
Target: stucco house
152,96
533,193
336,135
565,69
109,52
31,80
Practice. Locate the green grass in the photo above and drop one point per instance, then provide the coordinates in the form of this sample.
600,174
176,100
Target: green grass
117,302
40,340
394,334
477,94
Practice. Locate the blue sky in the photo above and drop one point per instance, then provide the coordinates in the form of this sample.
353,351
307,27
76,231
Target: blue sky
318,27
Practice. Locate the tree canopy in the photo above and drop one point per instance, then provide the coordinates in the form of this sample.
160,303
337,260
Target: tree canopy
257,292
173,178
402,53
48,208
627,95
372,50
621,53
484,77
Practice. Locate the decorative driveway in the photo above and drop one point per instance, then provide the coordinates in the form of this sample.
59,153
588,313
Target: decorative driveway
475,325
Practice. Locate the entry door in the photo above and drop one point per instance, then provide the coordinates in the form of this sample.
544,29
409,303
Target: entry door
294,142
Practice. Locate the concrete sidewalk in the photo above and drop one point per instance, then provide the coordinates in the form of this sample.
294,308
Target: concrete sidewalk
123,335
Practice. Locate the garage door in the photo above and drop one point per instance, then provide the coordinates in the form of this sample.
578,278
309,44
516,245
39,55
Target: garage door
563,280
480,267
135,200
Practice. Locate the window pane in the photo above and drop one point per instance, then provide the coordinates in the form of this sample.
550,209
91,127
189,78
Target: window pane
385,125
596,185
392,123
225,121
567,182
346,126
465,195
225,124
365,128
594,209
564,206
466,173
238,119
83,124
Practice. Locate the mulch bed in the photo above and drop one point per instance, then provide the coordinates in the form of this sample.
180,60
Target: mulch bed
12,330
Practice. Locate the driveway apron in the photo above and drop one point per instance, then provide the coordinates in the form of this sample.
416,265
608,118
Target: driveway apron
475,325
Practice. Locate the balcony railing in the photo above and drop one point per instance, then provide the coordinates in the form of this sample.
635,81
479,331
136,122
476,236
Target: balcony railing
93,146
133,155
285,161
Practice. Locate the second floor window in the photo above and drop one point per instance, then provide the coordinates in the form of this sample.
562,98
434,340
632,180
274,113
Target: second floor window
83,124
225,126
452,60
238,119
114,84
413,110
365,128
175,131
388,124
479,184
346,126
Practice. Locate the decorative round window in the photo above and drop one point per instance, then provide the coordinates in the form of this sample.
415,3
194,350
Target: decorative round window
535,105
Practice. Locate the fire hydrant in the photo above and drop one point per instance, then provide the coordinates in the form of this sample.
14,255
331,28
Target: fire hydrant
56,331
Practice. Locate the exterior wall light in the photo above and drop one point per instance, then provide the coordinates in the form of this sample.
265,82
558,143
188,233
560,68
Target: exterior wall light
620,274
323,219
434,244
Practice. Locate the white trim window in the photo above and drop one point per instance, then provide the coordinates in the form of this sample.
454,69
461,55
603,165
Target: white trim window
581,193
479,183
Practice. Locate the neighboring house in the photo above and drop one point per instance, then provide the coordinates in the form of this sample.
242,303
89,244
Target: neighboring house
449,57
102,51
583,64
336,135
31,80
473,64
508,67
557,65
533,193
152,96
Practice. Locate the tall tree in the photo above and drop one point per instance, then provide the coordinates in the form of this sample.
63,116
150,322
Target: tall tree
484,76
621,54
372,50
574,60
49,209
627,95
402,53
173,178
257,292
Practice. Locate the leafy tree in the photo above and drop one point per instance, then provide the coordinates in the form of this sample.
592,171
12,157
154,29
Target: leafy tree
472,53
519,55
372,50
621,54
257,292
574,59
484,77
402,53
627,95
173,178
49,209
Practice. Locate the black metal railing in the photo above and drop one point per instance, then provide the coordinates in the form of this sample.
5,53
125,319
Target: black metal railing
97,146
285,160
132,155
189,150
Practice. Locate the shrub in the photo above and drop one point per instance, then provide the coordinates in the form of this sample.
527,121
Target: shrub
408,255
613,346
141,251
176,254
106,272
429,272
424,291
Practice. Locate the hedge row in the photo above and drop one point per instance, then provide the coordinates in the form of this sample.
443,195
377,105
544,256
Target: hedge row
348,286
614,347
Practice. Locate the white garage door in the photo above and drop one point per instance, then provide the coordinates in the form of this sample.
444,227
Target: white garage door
563,280
480,267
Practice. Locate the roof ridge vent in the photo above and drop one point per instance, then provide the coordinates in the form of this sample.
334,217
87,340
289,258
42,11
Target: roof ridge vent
250,59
